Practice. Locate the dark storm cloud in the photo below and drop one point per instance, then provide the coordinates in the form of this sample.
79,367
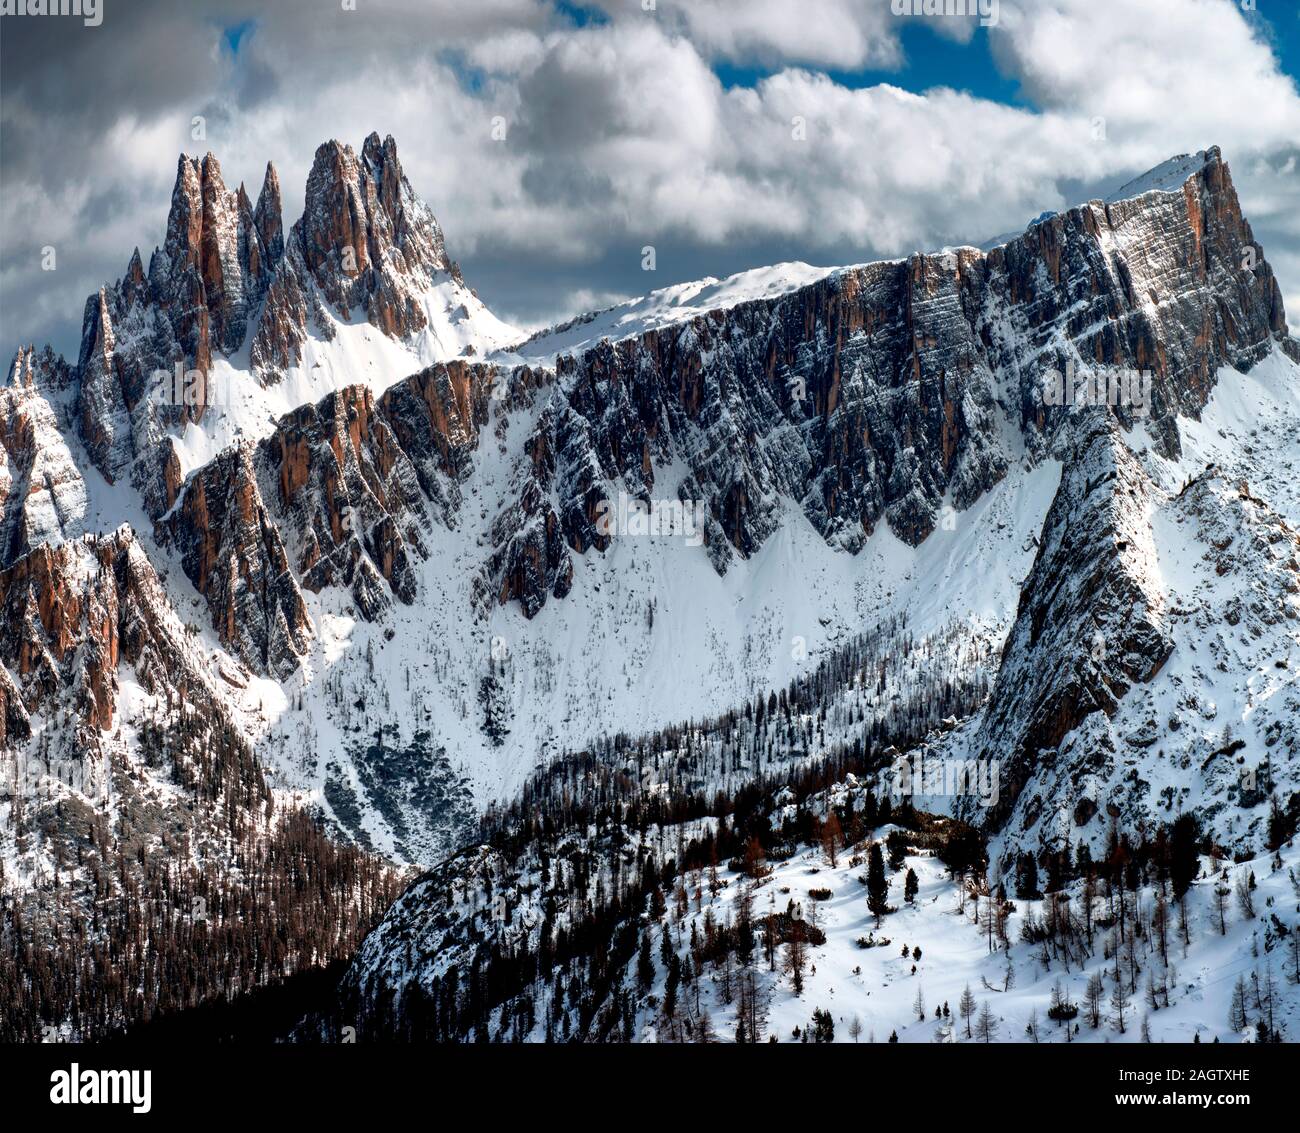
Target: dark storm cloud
65,85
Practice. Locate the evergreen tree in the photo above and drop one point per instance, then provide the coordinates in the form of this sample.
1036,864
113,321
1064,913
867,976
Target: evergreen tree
1184,862
1027,877
877,884
910,886
645,969
1119,1003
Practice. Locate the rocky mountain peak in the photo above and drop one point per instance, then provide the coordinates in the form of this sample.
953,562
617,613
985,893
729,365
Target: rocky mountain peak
365,242
363,230
215,266
202,288
135,284
42,493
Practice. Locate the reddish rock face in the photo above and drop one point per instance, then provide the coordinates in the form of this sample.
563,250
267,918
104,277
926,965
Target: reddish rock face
343,493
42,492
74,613
216,258
871,395
874,390
268,220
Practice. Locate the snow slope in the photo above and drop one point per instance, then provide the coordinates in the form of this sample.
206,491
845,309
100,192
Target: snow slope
1166,177
661,308
342,353
594,666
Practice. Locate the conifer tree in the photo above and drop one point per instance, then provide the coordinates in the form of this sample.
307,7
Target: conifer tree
877,884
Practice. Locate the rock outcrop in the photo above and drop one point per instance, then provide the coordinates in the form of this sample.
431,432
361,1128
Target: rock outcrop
1171,282
1092,617
195,301
42,492
343,493
74,613
876,393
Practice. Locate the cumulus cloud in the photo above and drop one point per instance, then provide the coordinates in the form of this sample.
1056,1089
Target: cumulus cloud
843,34
619,132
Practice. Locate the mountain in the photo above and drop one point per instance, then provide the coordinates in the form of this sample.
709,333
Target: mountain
302,500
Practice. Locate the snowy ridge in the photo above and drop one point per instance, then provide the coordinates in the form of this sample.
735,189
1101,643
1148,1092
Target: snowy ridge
392,586
651,632
650,635
1167,177
661,308
341,354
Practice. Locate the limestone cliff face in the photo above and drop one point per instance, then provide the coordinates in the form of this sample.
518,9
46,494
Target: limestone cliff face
349,497
863,397
42,491
343,493
1172,283
875,394
232,553
1092,605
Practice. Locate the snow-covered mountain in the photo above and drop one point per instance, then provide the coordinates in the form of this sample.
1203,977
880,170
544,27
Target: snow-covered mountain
407,556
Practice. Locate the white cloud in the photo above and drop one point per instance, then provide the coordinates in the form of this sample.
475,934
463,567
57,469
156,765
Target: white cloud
843,34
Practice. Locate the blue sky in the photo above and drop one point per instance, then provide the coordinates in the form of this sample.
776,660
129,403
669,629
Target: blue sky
932,60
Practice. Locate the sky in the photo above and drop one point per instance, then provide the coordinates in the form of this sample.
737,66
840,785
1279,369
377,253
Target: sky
725,134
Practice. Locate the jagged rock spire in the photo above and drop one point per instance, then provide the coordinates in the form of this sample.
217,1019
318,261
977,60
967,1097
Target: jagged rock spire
214,260
365,241
267,215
